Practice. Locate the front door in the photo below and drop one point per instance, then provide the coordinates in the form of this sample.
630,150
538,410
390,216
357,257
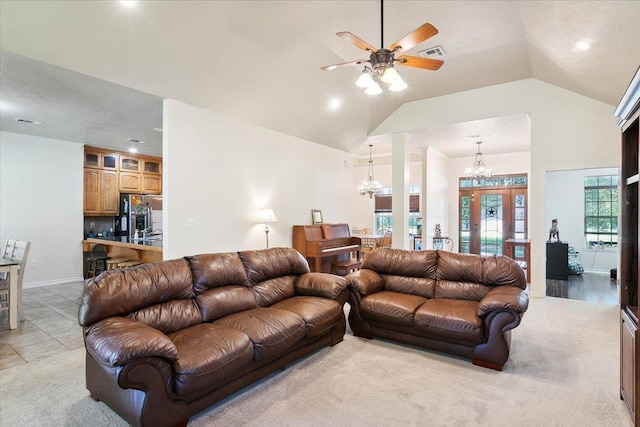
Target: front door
490,214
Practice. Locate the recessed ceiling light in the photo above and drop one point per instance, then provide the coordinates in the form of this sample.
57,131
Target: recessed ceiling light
334,104
128,3
27,121
583,45
133,150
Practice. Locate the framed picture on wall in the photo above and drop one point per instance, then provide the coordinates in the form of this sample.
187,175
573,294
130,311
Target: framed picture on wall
316,216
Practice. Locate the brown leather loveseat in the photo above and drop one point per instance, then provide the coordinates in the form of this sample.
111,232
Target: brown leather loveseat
456,303
166,340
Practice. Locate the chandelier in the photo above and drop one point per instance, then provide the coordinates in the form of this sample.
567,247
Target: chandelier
370,186
478,170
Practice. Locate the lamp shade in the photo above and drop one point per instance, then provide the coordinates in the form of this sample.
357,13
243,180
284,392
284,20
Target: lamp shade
267,216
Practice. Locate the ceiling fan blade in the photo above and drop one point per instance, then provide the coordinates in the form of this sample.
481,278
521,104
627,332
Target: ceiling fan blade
356,41
415,37
414,61
344,64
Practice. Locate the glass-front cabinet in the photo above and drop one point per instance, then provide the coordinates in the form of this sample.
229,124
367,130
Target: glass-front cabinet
130,164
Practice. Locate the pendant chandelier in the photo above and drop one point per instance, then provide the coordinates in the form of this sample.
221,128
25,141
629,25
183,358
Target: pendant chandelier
370,186
478,170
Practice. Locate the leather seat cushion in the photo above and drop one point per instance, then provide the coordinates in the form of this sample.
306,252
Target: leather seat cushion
272,331
391,307
208,354
319,314
449,318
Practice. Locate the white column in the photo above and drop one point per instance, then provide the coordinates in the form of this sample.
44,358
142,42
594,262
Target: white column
400,188
424,212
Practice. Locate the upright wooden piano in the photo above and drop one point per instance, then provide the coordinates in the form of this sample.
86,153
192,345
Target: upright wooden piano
322,244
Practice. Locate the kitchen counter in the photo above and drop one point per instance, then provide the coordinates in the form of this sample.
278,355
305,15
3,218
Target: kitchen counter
144,250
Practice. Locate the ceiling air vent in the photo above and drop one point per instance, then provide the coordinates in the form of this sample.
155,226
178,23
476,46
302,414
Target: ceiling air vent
432,52
30,122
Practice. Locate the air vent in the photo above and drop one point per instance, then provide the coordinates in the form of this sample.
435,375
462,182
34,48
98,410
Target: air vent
432,52
30,122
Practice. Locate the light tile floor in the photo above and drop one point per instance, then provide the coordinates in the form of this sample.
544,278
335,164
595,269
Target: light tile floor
50,326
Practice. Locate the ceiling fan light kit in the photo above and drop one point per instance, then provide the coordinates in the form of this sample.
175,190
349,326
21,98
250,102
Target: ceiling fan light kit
382,61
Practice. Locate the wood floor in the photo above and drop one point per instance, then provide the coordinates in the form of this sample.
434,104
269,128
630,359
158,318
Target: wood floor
592,287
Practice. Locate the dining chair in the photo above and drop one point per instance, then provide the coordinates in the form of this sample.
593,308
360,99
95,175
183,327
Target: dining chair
19,253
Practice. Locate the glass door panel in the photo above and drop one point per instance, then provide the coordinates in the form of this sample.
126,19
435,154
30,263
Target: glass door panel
465,225
491,224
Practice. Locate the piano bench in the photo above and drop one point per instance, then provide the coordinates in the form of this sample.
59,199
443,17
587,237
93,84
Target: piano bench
348,266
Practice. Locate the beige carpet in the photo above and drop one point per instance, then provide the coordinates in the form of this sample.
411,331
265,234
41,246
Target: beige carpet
563,371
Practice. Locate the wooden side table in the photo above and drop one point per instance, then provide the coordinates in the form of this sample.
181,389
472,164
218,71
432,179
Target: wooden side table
524,259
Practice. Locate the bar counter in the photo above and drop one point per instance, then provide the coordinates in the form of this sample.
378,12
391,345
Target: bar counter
121,247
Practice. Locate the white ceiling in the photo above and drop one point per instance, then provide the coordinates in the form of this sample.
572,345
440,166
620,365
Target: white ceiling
260,61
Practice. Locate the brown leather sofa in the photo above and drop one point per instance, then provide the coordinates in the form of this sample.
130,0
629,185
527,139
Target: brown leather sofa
456,303
166,340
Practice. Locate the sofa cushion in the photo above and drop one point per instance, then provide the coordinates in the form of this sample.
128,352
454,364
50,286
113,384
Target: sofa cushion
215,270
459,267
449,318
391,307
271,263
402,263
218,302
460,290
271,291
208,354
319,314
272,331
120,292
423,287
169,316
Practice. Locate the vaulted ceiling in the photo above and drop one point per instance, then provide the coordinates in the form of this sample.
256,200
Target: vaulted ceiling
260,60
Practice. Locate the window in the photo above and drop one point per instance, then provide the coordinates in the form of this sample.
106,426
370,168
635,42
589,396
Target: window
383,215
601,210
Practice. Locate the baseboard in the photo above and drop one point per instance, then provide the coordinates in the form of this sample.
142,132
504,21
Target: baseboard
51,282
603,272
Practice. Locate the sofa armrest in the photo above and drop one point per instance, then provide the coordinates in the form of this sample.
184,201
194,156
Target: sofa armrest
320,285
504,298
117,340
366,282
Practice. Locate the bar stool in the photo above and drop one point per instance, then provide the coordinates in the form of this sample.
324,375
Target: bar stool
348,266
113,262
128,264
97,261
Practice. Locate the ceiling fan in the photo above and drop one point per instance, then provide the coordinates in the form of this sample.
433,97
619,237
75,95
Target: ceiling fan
382,61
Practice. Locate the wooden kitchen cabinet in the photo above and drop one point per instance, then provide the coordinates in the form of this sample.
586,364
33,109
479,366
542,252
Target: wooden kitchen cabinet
151,184
129,182
98,159
130,164
100,192
151,165
107,173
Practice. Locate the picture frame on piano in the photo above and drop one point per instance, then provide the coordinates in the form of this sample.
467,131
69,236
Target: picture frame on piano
316,216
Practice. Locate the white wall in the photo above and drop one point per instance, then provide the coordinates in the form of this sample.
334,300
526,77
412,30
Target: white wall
568,131
220,172
565,201
41,202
